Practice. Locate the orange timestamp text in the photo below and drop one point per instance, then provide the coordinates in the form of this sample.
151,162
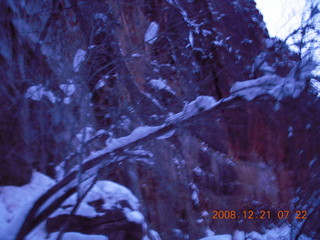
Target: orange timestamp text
250,214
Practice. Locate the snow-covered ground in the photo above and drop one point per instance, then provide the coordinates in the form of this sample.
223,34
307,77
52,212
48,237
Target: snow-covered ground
276,233
15,202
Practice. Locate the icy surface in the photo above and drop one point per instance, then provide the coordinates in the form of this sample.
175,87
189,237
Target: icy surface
151,34
78,58
37,92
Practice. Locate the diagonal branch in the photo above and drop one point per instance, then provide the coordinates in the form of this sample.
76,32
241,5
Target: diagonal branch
55,196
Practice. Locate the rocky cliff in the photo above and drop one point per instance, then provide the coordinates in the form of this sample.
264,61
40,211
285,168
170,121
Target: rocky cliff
78,74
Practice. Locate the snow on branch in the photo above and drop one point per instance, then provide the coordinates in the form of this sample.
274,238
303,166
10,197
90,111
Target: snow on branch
274,85
57,194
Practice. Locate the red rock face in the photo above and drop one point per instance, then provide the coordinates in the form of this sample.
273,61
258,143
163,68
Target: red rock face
243,155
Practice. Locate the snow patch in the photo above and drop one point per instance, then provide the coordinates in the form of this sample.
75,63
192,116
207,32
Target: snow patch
101,16
75,236
13,209
110,192
140,152
100,84
246,41
194,195
85,134
37,92
134,216
151,34
269,42
239,235
78,58
201,103
315,84
154,234
206,32
191,38
272,234
161,84
218,237
290,131
155,101
198,171
125,122
209,232
269,84
67,100
204,214
261,64
167,135
136,134
136,55
68,89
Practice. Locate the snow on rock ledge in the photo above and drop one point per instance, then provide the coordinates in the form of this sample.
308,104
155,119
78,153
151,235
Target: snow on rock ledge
274,85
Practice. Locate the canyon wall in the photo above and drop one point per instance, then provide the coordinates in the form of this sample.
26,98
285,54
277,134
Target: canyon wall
134,63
